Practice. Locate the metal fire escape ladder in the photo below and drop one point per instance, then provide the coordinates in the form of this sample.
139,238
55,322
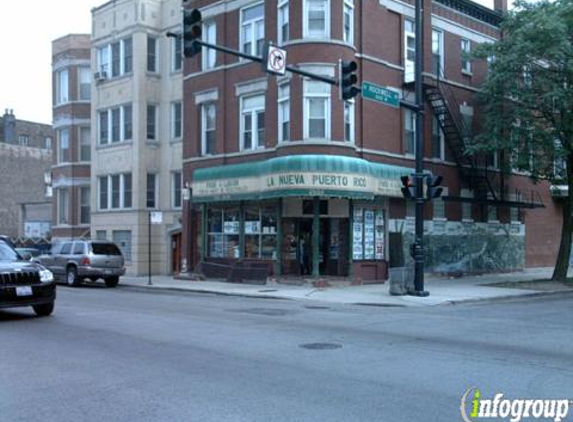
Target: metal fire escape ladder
457,134
488,185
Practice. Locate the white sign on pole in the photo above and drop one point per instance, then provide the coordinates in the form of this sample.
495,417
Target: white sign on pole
276,60
156,217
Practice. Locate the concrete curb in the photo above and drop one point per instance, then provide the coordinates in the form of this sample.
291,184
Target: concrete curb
505,298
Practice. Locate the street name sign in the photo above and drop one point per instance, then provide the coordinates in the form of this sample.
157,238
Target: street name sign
380,94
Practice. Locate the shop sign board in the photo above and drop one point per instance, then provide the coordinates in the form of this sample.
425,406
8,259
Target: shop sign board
310,183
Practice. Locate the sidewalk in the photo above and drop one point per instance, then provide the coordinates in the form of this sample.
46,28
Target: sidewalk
442,290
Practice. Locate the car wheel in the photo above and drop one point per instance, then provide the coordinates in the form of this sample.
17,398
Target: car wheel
44,310
72,277
111,281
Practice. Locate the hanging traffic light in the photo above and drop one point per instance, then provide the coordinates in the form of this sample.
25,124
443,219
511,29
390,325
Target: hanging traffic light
434,190
347,79
408,187
192,32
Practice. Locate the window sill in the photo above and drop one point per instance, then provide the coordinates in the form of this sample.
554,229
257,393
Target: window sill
467,72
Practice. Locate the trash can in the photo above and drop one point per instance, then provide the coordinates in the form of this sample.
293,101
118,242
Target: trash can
401,280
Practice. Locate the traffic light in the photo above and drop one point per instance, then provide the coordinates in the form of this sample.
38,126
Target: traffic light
409,187
434,190
191,32
347,76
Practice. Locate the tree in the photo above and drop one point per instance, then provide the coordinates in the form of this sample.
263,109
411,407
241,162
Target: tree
527,101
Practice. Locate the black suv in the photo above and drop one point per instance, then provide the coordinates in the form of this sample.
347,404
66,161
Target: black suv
25,283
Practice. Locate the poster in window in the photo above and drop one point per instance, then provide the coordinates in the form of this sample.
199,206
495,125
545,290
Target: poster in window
369,234
380,235
252,227
358,234
231,227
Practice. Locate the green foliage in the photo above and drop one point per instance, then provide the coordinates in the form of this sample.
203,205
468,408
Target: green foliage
527,99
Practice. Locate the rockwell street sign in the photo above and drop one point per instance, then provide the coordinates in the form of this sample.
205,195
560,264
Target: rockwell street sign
380,94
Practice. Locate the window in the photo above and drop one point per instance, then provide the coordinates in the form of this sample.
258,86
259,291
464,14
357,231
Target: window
151,54
349,121
151,201
466,50
253,122
208,125
283,22
467,120
63,206
368,233
115,191
79,248
438,146
253,29
176,183
63,146
284,112
348,22
48,143
316,19
177,55
62,87
151,121
85,82
176,127
440,206
122,238
127,54
223,232
101,235
23,140
409,131
409,50
208,55
316,109
127,122
116,59
437,56
85,147
466,206
260,232
85,205
115,125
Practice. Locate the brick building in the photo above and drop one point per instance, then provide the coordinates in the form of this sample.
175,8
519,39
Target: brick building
280,170
72,84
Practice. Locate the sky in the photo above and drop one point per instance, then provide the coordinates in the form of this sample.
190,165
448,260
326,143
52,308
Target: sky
27,30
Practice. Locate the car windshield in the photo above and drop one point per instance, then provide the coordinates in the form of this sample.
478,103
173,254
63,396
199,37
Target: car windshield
105,249
7,253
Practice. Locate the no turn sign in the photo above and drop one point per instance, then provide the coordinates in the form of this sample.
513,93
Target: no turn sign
276,60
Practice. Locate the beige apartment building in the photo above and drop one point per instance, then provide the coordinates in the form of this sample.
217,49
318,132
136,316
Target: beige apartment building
137,131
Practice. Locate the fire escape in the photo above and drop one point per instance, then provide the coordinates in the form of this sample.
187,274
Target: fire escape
487,183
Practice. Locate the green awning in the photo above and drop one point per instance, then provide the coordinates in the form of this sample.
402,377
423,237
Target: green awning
298,175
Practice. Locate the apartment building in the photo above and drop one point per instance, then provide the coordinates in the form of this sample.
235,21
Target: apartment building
285,174
70,173
136,156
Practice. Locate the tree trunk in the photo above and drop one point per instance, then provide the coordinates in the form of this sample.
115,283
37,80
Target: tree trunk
563,256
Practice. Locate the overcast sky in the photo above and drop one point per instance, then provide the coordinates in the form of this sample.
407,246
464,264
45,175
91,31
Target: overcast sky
27,30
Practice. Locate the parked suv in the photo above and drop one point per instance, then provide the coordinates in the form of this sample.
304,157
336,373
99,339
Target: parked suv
75,261
25,283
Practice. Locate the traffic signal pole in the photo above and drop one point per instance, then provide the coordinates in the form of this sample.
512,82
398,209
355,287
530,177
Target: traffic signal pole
418,249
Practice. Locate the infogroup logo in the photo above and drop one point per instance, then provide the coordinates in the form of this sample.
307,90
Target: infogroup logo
474,407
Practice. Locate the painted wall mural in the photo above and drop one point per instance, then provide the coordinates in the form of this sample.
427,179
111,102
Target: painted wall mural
458,247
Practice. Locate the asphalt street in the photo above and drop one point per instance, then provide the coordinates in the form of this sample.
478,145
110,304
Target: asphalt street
128,355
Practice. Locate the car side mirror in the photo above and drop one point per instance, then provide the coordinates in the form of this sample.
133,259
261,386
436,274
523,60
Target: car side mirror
26,256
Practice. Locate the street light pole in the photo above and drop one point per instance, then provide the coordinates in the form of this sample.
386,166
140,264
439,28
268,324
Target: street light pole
418,249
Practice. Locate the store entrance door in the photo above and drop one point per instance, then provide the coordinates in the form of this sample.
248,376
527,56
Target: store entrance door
298,246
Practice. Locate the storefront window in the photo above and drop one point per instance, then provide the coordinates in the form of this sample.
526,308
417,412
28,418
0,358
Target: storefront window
261,232
368,233
223,232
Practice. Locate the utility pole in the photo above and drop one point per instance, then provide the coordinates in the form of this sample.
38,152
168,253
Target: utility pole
418,247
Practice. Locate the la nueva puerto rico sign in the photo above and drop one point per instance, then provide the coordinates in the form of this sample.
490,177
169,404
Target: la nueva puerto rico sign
296,184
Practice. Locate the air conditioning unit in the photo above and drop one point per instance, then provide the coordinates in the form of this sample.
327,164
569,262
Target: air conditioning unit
100,76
